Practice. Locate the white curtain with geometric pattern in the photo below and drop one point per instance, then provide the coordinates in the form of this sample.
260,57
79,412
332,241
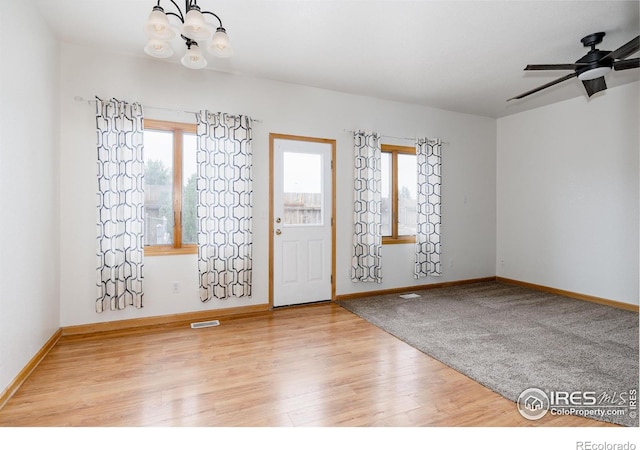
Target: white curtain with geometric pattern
224,205
366,262
428,245
120,246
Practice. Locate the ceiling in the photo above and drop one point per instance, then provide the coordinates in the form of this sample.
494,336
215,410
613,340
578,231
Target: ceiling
464,56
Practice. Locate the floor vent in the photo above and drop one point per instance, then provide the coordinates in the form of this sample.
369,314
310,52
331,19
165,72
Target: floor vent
209,323
409,296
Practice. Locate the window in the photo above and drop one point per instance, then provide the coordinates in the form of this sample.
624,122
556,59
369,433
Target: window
399,183
169,187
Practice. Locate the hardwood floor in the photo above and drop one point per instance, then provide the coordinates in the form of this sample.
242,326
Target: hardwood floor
315,365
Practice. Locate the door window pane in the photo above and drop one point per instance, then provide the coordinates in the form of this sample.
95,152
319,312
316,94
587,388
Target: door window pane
158,187
302,189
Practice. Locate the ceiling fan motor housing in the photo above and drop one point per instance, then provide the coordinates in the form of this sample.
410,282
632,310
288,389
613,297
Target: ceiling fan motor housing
593,60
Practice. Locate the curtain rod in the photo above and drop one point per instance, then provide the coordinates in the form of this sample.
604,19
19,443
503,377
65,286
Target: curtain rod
402,138
92,102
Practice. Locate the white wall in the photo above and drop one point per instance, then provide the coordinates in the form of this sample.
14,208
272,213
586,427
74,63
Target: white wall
468,174
29,278
568,195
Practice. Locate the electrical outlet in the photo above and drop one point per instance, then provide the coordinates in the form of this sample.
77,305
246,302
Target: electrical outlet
176,287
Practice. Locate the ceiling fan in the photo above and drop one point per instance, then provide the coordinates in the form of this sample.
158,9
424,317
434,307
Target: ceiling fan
592,67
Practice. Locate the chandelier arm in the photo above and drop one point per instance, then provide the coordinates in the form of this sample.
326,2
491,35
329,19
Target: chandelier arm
188,41
179,15
214,15
176,15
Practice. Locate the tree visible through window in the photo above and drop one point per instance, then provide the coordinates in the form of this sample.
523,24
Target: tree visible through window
170,187
399,184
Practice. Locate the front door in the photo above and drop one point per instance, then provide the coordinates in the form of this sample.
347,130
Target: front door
302,240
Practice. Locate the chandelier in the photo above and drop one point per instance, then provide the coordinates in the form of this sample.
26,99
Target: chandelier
193,29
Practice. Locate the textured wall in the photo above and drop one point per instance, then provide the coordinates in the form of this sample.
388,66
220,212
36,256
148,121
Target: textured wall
568,195
29,224
468,173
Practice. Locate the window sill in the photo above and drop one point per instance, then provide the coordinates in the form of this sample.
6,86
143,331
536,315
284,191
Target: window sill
162,250
399,240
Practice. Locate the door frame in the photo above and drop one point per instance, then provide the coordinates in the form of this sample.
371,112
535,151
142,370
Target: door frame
332,142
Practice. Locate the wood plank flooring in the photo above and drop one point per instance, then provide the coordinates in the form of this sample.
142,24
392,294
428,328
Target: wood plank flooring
314,365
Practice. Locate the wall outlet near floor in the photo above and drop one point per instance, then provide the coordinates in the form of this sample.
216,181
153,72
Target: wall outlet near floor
176,287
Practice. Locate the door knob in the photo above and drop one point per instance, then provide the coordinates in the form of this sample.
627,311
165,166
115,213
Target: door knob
278,232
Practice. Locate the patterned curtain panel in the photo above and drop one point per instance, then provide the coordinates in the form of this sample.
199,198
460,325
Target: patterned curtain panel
367,218
120,204
224,205
428,208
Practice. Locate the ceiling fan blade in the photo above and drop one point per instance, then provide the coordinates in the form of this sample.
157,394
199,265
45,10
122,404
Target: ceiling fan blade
553,66
595,85
627,64
533,91
627,49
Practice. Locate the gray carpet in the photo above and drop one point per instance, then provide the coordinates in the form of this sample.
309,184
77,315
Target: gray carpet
509,338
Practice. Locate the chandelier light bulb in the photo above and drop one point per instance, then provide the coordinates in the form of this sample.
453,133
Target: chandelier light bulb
158,48
158,26
219,45
195,27
193,59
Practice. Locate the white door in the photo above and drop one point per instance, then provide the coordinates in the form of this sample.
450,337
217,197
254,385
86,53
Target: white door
302,220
